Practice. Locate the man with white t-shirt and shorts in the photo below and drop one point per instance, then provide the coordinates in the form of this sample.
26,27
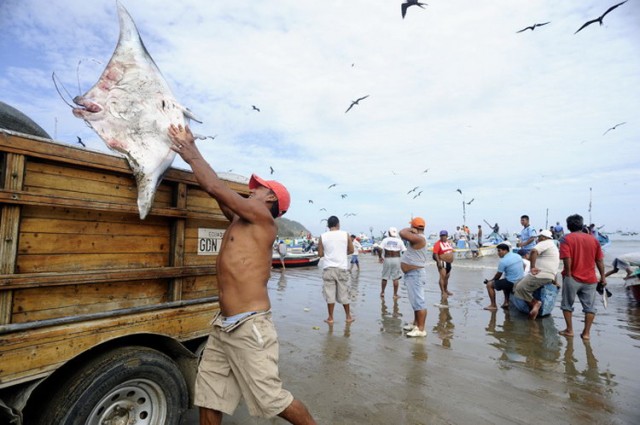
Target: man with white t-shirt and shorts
334,247
389,255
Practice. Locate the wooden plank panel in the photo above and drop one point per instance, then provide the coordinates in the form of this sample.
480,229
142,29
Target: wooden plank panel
70,185
38,352
79,262
71,300
13,179
61,244
199,287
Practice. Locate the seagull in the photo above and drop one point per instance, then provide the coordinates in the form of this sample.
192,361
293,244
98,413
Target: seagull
612,128
458,190
350,214
271,168
311,201
426,171
355,102
323,209
410,3
533,27
344,195
80,141
255,108
472,199
413,190
419,193
330,186
599,20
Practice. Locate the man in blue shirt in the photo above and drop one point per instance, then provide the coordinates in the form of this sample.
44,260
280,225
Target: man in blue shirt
510,271
527,237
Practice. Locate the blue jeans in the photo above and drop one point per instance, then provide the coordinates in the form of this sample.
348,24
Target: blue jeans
416,280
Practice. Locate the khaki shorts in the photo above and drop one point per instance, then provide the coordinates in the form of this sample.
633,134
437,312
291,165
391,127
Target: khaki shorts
242,362
335,285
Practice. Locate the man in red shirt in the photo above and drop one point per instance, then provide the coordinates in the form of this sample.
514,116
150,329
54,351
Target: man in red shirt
443,256
580,253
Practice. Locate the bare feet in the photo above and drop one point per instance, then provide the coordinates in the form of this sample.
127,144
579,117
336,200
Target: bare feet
329,321
506,305
381,294
491,307
535,309
350,319
449,293
566,333
395,297
584,337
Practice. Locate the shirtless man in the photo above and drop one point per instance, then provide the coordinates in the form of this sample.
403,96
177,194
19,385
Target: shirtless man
240,359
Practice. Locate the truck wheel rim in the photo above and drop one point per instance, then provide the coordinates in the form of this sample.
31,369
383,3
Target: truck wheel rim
137,401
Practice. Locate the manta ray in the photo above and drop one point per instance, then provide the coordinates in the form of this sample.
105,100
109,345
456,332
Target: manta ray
131,107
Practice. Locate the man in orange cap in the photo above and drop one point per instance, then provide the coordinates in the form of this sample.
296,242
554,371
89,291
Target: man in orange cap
413,264
240,358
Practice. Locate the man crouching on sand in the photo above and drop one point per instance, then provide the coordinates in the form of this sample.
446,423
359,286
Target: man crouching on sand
241,356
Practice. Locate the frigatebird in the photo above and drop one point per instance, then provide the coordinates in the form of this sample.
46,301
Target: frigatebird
413,190
419,193
533,27
344,195
410,3
80,141
472,199
599,20
613,128
355,102
255,108
330,186
271,168
458,190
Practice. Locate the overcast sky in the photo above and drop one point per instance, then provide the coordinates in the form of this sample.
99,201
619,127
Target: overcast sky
513,120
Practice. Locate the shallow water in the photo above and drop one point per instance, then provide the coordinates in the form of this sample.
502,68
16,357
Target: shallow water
474,366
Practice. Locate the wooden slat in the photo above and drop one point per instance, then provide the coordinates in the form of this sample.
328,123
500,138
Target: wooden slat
9,229
32,280
60,263
177,242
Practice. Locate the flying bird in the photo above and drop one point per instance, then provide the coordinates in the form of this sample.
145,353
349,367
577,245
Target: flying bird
355,102
323,209
311,201
458,190
425,171
410,3
333,185
613,128
413,190
599,20
272,170
472,199
80,141
255,108
344,195
350,214
419,193
532,27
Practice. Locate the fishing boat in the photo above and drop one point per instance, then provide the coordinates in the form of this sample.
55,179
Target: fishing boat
547,295
296,259
466,253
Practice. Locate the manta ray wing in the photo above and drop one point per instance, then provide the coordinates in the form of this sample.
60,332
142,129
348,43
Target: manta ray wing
131,107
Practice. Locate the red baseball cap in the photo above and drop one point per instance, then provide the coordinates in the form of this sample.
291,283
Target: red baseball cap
418,223
284,199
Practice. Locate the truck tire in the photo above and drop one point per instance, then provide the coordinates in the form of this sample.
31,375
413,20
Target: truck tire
131,385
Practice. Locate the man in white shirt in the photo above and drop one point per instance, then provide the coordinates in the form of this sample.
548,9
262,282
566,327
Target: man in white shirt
389,255
334,247
356,250
545,261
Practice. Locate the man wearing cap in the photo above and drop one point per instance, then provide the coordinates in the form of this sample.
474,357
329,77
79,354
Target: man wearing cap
443,256
241,355
510,271
413,264
334,247
544,263
389,255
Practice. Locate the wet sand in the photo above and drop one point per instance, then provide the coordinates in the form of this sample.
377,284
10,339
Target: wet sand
474,366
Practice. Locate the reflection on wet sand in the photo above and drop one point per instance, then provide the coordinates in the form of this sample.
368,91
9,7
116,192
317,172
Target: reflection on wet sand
390,322
444,327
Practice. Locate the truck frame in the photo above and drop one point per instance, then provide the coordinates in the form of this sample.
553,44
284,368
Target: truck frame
103,316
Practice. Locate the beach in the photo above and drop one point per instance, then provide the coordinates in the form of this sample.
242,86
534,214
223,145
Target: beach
474,366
